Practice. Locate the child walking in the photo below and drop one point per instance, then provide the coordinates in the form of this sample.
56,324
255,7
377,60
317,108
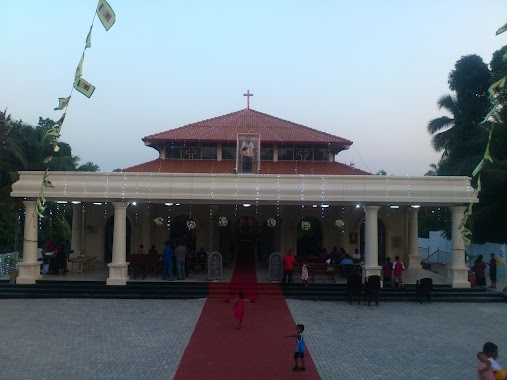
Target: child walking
300,348
239,308
304,273
398,268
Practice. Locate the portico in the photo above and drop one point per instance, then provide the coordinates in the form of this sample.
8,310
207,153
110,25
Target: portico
203,197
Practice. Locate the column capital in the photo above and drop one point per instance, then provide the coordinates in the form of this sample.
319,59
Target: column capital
370,208
120,204
413,210
29,203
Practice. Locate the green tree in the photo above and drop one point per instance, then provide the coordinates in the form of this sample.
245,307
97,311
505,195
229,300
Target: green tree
88,167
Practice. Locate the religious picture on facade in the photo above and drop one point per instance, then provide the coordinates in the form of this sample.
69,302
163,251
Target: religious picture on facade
247,153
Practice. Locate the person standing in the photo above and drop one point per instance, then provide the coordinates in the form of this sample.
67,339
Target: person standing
480,271
387,271
167,261
398,268
492,271
288,265
181,254
300,348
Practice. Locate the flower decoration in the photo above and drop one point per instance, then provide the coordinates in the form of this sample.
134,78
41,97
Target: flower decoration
272,222
305,225
159,221
339,223
223,221
191,224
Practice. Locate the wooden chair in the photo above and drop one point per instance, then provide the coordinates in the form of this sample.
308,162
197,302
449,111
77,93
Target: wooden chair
372,289
423,288
354,287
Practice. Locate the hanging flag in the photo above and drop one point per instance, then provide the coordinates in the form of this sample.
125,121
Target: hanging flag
62,103
106,14
501,30
60,122
79,70
84,87
89,38
478,168
501,259
495,87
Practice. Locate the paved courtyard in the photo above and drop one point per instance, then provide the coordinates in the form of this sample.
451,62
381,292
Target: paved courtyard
145,339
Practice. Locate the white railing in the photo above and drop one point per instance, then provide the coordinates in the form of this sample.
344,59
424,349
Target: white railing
439,256
5,265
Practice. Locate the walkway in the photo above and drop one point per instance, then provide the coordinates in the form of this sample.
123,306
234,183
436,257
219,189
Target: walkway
145,339
218,350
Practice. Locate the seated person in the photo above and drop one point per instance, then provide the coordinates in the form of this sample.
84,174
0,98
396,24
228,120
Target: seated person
323,255
153,251
356,256
346,261
335,255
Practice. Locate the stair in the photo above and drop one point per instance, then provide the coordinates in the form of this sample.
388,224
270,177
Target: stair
99,289
440,293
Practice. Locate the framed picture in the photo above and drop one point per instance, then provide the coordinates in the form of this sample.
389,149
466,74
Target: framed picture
247,152
353,238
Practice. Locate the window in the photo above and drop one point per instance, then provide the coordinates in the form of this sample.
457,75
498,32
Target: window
228,151
208,152
303,152
286,152
321,153
267,153
173,151
191,152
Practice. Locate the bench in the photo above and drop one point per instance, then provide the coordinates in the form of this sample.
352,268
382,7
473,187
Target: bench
199,264
144,264
316,268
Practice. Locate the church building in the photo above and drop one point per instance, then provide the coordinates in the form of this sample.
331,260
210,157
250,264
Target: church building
245,177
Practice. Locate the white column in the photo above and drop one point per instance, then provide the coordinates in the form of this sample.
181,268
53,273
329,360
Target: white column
459,270
371,242
29,269
146,233
414,261
118,269
77,229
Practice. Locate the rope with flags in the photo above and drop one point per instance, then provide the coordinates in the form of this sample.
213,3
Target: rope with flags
476,174
107,18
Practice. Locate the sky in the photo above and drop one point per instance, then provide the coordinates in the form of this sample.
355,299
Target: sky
369,71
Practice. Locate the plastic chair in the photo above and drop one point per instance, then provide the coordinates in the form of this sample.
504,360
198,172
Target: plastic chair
372,289
354,287
423,288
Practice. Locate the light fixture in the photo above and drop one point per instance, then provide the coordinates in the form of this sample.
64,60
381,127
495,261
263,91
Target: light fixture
357,206
394,206
97,203
76,202
177,204
61,202
169,204
134,203
315,206
324,206
246,204
416,206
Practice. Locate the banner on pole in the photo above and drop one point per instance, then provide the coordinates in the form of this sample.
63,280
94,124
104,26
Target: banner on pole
106,14
84,87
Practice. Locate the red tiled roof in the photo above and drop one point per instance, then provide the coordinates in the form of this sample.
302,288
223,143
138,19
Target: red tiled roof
225,129
227,167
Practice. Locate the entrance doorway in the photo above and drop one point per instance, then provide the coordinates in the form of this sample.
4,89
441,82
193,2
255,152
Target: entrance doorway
382,239
180,233
309,242
108,241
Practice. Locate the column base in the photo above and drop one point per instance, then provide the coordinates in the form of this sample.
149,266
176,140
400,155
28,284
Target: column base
460,278
414,261
118,274
372,271
29,273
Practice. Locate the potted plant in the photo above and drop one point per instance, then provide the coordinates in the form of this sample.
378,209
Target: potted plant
12,267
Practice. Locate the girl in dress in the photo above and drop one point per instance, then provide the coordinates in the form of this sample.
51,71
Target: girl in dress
304,273
239,308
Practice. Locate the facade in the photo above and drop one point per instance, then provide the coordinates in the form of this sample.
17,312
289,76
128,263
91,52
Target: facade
245,176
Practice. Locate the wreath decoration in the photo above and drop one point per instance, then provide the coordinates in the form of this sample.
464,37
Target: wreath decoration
305,225
272,222
191,224
158,221
223,221
339,223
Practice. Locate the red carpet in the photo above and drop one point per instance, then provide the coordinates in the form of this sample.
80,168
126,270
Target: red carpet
218,350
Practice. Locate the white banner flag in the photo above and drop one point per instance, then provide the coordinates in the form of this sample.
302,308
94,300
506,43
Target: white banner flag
79,70
89,38
84,87
106,14
62,103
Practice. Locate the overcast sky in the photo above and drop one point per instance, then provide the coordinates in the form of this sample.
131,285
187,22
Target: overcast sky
370,71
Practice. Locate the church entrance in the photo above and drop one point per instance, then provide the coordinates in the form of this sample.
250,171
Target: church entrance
108,241
180,233
309,241
381,231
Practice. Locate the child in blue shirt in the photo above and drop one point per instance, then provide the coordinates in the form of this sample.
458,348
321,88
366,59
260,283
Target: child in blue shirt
300,348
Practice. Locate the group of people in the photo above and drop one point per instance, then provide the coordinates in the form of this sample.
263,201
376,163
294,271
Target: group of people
177,257
393,272
54,257
480,271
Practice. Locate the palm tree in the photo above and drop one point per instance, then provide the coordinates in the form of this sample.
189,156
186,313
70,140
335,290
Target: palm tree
433,170
445,129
